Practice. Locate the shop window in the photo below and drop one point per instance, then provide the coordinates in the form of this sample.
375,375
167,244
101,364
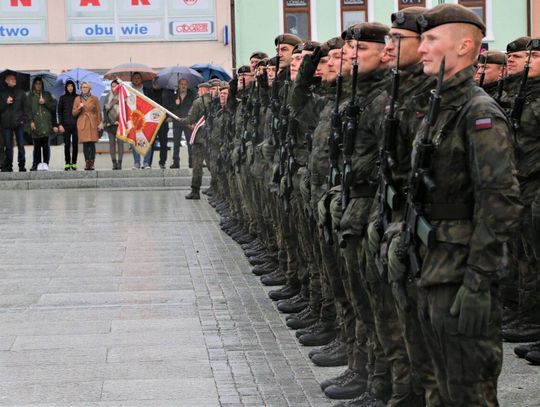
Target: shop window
353,12
297,15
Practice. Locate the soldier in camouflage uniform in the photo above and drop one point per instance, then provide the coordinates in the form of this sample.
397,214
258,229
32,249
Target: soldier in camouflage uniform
399,329
473,209
491,67
198,109
526,327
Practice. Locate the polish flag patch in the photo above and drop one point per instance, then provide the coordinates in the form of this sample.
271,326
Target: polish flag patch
481,124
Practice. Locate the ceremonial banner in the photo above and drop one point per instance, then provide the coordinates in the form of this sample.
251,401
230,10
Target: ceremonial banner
139,118
198,125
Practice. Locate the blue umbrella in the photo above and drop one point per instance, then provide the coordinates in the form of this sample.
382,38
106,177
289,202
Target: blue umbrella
209,71
168,78
78,76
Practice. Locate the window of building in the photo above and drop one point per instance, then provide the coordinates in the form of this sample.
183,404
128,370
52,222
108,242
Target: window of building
478,6
411,3
353,12
297,19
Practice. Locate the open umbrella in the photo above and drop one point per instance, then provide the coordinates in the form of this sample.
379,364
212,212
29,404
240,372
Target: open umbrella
49,79
23,79
78,76
124,72
209,71
168,78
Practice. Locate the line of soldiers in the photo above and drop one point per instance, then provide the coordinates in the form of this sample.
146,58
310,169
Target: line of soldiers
392,198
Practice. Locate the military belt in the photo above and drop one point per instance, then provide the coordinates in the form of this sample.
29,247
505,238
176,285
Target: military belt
448,211
363,191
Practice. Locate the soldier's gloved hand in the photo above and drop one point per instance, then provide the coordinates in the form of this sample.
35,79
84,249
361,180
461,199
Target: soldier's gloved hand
233,87
374,239
397,271
308,67
473,309
263,80
535,212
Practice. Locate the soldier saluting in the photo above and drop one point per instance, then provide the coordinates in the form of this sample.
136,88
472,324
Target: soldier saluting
466,189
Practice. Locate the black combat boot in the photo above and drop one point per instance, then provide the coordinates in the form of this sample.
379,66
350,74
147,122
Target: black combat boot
354,386
194,194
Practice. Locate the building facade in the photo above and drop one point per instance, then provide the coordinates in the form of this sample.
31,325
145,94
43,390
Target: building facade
257,22
57,35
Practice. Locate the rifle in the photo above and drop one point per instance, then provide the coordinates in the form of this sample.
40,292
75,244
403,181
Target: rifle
349,136
335,139
388,196
519,101
415,225
275,104
292,165
483,74
500,83
245,121
283,131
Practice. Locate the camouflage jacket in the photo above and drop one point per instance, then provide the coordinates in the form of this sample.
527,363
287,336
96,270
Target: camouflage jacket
528,143
472,165
198,109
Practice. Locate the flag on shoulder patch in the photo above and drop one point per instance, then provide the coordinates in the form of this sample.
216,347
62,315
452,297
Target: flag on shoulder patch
481,124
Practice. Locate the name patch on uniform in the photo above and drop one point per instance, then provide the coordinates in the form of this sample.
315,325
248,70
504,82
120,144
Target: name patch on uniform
481,124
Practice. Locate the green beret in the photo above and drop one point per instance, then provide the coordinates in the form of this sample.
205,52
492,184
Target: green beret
272,61
519,44
223,85
367,32
449,14
259,55
204,85
534,44
406,19
262,62
244,69
214,82
493,57
298,48
289,39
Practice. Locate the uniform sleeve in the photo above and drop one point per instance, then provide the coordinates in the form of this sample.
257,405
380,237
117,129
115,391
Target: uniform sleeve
496,192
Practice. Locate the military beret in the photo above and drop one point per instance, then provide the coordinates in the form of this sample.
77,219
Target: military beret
534,44
519,44
367,32
493,57
287,38
406,19
214,82
298,48
272,61
244,69
259,55
204,85
449,14
223,85
262,62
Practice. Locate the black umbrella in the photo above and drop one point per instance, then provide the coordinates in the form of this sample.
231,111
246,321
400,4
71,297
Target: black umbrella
23,79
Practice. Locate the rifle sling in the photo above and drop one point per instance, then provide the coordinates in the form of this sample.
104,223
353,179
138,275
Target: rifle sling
448,211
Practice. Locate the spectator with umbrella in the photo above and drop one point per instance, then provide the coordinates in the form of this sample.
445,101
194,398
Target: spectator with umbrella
179,79
78,76
41,111
67,124
13,117
137,84
88,113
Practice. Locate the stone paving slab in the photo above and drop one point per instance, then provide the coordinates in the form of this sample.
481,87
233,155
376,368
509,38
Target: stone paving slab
136,298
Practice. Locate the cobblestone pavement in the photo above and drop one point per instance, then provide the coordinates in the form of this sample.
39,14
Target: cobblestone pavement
136,298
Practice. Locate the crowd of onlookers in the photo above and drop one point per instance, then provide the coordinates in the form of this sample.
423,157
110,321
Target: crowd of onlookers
80,118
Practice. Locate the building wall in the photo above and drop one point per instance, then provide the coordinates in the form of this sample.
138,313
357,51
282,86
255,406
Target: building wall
58,54
259,21
535,18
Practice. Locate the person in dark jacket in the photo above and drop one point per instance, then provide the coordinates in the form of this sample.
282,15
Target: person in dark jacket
13,116
68,126
158,95
179,103
41,111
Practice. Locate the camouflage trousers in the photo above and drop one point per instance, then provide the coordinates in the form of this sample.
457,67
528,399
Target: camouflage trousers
466,368
198,153
528,268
